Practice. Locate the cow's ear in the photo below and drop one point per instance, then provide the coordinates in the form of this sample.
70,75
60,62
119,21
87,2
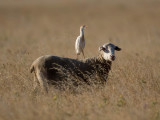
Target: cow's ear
117,48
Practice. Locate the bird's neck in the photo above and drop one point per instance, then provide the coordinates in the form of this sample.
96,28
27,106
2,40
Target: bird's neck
81,32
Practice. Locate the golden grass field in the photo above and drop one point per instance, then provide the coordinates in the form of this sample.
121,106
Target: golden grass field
29,29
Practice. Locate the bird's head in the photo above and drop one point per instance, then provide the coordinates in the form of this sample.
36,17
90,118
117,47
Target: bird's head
107,51
83,27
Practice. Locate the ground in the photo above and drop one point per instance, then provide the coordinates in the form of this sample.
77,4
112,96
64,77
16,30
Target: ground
29,29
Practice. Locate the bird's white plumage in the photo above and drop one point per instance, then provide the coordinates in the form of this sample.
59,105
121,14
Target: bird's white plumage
80,42
79,45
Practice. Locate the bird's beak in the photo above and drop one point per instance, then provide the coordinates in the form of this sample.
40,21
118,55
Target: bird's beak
86,27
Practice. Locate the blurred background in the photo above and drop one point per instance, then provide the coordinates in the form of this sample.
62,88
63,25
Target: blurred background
47,24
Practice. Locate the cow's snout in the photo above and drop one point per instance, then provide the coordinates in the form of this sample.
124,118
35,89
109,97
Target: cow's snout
112,57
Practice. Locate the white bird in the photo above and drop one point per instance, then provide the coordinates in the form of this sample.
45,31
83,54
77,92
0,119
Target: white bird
80,42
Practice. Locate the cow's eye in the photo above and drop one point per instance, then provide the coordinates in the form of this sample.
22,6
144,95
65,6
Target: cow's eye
103,48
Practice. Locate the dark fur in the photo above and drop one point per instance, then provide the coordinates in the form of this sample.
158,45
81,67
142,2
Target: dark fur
57,69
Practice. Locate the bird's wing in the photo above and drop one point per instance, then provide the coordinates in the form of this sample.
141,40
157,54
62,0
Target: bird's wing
78,45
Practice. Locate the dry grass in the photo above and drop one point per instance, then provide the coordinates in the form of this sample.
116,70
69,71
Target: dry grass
28,31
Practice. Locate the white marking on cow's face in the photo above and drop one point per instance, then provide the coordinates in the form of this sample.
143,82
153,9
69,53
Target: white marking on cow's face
108,51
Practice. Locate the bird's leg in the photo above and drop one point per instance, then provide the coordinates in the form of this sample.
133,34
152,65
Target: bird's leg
77,57
83,54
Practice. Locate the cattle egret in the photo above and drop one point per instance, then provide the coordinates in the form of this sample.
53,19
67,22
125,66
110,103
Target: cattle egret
80,42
